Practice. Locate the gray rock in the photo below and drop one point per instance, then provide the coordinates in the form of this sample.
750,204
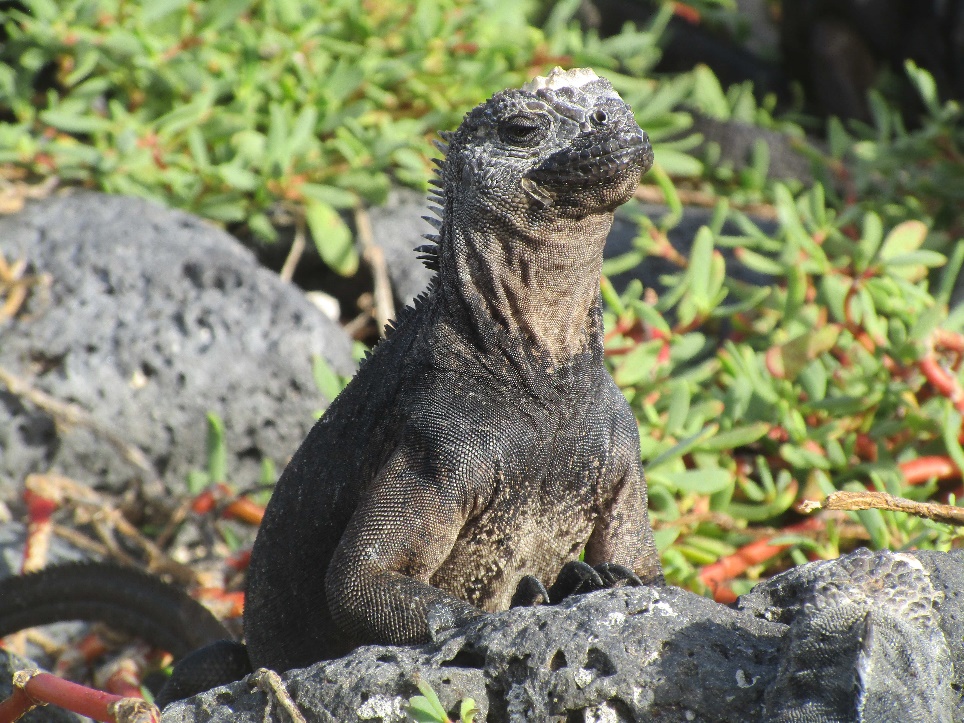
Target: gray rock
153,318
619,655
790,650
878,632
735,141
664,654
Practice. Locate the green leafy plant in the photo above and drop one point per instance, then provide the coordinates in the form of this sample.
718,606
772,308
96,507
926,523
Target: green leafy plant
426,708
753,396
903,173
217,458
267,112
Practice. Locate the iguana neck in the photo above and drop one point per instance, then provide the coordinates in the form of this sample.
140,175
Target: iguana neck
533,297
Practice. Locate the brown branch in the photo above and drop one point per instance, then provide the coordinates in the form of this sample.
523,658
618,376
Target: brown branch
947,514
297,249
375,258
107,519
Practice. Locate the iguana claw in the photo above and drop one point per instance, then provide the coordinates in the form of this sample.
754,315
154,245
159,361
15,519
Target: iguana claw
529,592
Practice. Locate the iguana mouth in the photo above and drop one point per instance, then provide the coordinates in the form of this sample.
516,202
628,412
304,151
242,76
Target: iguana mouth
587,164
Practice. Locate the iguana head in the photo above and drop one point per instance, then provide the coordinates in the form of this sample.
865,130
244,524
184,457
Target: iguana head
565,141
528,187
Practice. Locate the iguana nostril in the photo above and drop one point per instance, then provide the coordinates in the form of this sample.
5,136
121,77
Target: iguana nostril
599,116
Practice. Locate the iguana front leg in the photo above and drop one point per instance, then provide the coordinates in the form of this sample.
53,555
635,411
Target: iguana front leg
622,534
402,530
620,551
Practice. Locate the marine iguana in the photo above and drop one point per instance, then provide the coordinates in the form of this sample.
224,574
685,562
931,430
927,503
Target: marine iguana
483,445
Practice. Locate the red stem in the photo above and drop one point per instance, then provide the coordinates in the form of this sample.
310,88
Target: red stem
726,568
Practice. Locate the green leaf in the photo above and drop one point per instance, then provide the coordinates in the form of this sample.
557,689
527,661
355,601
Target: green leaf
332,195
913,266
426,708
158,9
239,178
217,451
761,512
332,237
681,447
678,164
708,94
421,710
873,521
197,481
74,122
328,381
739,436
788,360
903,238
924,82
698,481
468,710
218,14
679,408
950,431
665,537
834,288
758,262
262,227
838,139
873,234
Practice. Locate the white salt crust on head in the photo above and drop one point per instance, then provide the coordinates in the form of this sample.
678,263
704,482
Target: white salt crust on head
559,78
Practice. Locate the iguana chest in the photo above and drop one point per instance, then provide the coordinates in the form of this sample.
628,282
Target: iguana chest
539,514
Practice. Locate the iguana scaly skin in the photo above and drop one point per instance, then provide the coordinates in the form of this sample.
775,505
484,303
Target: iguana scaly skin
484,440
483,445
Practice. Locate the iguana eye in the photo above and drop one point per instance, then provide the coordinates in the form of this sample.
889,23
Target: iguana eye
522,130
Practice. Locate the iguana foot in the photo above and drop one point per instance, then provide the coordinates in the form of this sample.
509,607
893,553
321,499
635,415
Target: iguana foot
613,574
577,578
219,663
529,592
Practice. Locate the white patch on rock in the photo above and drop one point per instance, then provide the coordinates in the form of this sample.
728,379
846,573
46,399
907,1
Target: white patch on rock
583,677
643,697
664,609
384,707
602,713
743,680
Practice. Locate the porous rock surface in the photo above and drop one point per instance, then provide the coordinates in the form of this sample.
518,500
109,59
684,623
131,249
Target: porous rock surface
153,318
664,654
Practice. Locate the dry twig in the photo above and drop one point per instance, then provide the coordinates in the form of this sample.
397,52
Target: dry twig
948,514
297,249
106,518
375,258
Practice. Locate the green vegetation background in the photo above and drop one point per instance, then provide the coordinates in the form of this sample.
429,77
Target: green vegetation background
844,373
